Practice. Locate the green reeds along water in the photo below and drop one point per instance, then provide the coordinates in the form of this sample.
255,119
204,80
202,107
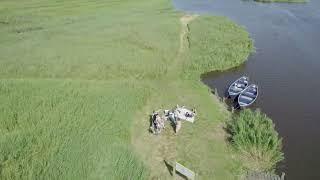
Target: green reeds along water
254,137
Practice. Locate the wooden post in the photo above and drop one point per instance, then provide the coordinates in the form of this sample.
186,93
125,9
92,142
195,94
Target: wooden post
216,92
232,109
282,176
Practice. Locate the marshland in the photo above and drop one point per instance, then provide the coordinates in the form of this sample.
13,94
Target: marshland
78,80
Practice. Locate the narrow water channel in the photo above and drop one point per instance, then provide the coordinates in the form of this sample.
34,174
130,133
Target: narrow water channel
286,66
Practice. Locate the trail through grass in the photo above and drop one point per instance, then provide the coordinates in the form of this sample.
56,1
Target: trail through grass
79,78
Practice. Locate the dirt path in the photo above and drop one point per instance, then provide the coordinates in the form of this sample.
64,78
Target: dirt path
184,43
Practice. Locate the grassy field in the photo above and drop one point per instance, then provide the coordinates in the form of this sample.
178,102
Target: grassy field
63,129
79,78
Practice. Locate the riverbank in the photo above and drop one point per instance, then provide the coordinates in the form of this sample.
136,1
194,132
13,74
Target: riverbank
79,78
271,68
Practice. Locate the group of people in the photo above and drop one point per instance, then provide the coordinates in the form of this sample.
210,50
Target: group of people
175,116
157,123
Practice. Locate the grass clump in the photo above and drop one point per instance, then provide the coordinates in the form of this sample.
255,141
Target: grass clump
253,136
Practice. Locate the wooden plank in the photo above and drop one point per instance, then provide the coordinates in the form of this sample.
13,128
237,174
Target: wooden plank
184,171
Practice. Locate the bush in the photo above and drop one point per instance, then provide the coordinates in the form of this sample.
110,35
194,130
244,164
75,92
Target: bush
253,135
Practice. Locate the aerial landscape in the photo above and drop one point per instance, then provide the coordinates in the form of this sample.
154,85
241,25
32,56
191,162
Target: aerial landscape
159,89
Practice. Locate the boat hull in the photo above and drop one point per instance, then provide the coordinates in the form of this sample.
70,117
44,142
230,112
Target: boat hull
248,96
237,87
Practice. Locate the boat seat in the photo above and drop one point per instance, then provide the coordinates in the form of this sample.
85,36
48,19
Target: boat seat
236,89
246,98
249,94
244,82
240,86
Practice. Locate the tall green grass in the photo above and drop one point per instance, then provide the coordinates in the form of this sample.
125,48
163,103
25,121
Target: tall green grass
88,39
254,136
54,129
219,46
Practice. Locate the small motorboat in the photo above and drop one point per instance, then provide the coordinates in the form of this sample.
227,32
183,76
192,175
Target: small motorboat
238,86
248,96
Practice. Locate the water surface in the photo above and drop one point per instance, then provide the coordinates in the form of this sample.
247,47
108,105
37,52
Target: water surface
286,66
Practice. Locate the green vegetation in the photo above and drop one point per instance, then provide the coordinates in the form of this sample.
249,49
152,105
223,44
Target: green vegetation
254,137
283,1
68,129
78,79
219,46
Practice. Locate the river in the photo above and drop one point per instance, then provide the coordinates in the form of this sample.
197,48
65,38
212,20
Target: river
286,66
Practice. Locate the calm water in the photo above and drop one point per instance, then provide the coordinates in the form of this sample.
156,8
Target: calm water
286,66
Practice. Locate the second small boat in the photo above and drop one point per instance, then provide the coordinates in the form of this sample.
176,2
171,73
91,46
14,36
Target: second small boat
248,96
